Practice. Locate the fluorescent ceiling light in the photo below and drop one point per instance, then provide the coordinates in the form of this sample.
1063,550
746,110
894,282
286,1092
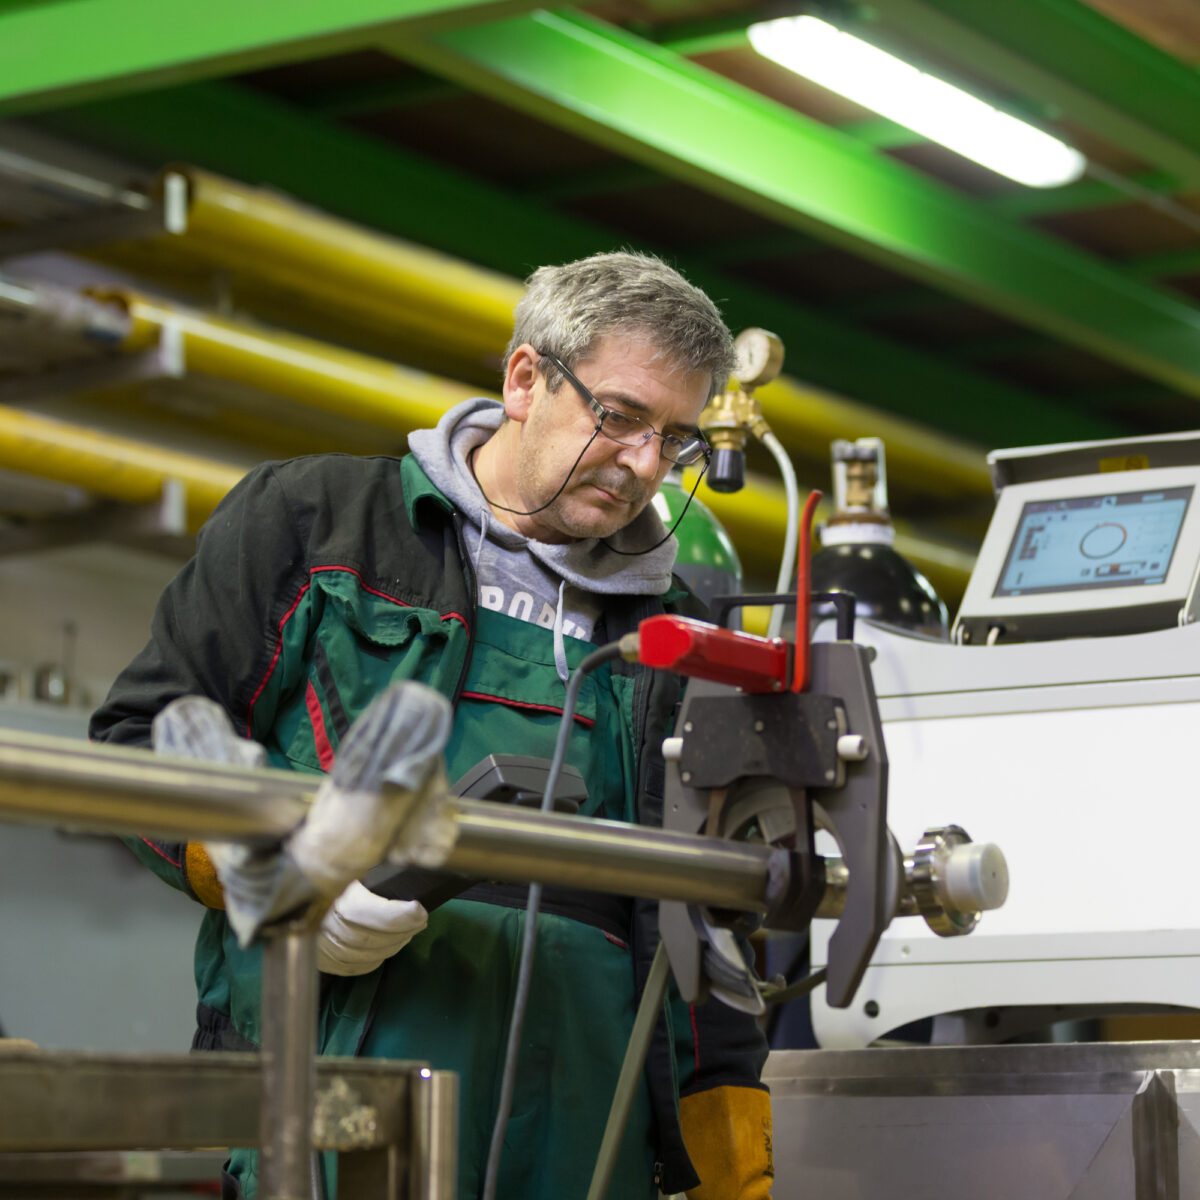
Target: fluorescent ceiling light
928,106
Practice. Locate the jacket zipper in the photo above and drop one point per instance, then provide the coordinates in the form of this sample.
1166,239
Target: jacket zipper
472,584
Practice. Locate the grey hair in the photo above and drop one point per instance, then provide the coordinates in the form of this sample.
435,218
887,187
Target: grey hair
567,310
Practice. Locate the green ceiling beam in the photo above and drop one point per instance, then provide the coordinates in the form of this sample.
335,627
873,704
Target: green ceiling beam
251,137
710,35
1085,195
1065,54
881,134
780,243
1167,264
898,302
606,180
378,95
997,347
62,51
646,102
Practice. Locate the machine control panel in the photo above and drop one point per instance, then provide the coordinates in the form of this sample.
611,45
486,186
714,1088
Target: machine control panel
1086,556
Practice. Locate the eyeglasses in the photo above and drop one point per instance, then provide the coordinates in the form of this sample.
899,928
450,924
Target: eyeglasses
627,430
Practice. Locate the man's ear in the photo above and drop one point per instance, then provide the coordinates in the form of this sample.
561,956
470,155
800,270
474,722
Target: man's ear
519,379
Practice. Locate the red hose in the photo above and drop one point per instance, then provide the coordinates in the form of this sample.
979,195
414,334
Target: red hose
803,593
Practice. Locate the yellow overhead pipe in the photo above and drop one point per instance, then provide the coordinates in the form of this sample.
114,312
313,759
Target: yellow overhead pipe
393,284
390,282
113,467
934,463
344,383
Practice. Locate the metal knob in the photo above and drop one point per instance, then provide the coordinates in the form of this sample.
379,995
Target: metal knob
951,880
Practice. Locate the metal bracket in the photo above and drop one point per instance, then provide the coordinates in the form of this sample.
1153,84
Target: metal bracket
731,739
106,214
789,736
161,526
858,815
166,360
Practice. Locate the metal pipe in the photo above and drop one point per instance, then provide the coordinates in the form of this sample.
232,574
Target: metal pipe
433,1136
16,297
67,184
383,280
520,845
114,467
117,789
64,311
59,781
630,1079
289,1070
344,383
806,418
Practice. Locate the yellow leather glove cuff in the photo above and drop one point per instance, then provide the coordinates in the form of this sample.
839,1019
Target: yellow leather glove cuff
202,876
727,1131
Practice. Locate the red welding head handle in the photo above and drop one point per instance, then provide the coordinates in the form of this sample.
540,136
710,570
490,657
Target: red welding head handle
804,594
704,651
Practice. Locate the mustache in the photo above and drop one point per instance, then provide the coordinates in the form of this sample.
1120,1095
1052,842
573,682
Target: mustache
618,483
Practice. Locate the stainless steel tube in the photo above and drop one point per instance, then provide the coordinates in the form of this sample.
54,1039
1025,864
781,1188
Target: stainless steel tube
433,1140
518,845
289,1072
114,789
58,781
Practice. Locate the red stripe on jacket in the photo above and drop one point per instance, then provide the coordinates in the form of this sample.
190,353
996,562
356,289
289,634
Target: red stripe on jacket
586,722
320,734
291,612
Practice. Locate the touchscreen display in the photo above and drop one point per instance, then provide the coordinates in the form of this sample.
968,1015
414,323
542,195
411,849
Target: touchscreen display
1121,539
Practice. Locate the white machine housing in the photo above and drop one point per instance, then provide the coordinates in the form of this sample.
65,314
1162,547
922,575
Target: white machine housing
1074,755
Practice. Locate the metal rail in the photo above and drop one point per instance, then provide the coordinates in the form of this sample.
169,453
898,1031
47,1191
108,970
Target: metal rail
58,781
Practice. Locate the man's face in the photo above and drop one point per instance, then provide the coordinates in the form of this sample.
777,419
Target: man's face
612,483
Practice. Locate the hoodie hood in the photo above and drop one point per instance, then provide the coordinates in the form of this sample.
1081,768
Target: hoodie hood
587,564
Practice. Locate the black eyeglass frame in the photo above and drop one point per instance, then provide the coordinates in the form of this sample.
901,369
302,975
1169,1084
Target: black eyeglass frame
698,439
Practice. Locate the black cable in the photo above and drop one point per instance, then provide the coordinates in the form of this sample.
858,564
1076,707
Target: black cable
508,1080
534,511
691,495
801,987
799,961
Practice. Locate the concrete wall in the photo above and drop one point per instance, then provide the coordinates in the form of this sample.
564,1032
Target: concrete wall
95,952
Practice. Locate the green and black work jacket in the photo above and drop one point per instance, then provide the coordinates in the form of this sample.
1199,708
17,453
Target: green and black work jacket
316,583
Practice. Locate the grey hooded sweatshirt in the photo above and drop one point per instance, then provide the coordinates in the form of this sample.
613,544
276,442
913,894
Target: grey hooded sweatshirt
556,585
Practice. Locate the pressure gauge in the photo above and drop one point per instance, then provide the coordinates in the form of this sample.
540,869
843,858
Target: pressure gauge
759,357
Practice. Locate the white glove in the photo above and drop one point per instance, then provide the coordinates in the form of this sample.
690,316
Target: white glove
259,883
354,819
361,930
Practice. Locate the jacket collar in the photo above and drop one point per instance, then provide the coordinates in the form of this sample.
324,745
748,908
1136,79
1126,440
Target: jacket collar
421,497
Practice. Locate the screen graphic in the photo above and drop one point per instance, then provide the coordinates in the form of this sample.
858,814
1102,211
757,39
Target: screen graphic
1084,542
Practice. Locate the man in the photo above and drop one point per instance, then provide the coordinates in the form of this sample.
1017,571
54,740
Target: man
487,564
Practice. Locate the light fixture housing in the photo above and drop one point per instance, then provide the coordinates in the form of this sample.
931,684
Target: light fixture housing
929,106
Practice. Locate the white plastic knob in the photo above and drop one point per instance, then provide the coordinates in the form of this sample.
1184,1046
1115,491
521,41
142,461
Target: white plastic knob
672,749
976,877
852,747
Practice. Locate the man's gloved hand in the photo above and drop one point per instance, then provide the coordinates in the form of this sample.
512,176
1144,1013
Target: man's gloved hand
252,883
354,819
398,740
727,1131
361,930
